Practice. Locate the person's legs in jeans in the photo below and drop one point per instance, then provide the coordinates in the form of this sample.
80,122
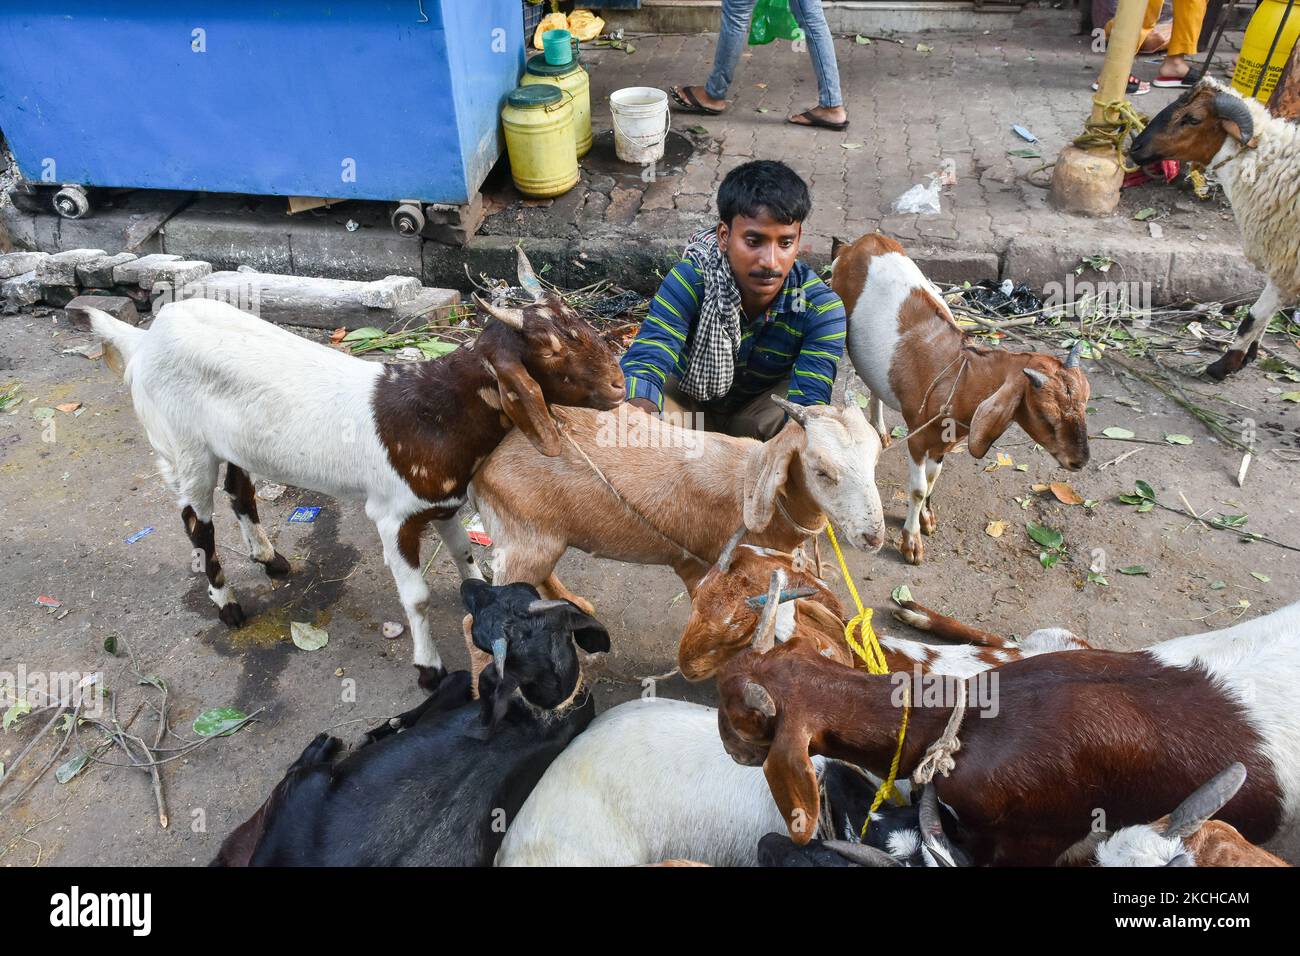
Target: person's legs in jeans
821,49
733,36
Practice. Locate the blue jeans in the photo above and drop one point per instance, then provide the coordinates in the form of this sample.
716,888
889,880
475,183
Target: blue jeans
734,36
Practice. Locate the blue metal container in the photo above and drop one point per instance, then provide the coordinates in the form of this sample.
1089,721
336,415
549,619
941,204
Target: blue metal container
351,99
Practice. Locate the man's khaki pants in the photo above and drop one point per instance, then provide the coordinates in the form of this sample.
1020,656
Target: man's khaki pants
759,418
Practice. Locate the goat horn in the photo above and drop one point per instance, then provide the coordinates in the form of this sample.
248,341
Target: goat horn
1234,110
511,317
765,633
861,853
932,835
541,607
728,550
1035,376
794,594
1072,360
1208,800
798,412
499,656
527,278
757,698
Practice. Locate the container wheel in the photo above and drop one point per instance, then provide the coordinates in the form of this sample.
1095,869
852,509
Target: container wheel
71,202
408,219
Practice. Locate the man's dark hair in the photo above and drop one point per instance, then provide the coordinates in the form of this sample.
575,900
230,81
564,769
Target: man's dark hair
764,185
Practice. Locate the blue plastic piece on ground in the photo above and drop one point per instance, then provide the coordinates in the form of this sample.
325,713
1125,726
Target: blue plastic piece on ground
303,515
1024,134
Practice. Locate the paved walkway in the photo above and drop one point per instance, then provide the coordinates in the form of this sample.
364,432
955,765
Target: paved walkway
911,112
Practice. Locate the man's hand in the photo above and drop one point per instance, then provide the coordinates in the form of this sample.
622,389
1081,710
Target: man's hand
645,405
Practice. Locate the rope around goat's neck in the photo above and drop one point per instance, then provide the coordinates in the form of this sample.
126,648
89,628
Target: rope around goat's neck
560,426
1118,120
938,757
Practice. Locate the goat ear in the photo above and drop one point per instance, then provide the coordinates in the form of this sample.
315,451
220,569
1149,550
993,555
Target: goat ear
475,595
523,401
588,632
793,781
994,414
766,473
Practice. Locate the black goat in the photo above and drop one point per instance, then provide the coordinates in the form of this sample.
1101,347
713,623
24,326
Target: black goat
437,785
911,835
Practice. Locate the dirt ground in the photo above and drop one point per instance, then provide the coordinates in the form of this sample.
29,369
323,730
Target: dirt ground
67,507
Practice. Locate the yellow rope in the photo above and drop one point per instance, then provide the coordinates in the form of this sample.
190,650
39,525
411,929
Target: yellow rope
871,654
1118,120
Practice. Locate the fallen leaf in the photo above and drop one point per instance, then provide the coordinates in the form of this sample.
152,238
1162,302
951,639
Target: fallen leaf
1260,577
762,109
901,594
760,86
1142,215
861,40
68,407
698,130
924,48
1217,585
1135,569
308,637
1039,488
1047,537
1291,396
851,145
71,767
1096,577
218,722
995,529
1065,494
42,412
362,334
1178,439
337,336
1022,467
1114,431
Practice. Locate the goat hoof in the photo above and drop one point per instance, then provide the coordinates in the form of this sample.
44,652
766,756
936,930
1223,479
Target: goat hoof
277,567
886,439
928,522
232,615
913,550
430,677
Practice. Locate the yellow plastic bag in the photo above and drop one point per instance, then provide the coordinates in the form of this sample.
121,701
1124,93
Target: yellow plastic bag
585,25
552,21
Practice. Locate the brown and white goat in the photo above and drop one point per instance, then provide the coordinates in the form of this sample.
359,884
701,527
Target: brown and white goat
1128,734
677,494
1255,157
725,615
1188,837
212,384
911,354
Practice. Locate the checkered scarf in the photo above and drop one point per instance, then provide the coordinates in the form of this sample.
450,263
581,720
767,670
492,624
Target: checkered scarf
711,353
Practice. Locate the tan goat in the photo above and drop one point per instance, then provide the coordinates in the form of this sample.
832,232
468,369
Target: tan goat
667,495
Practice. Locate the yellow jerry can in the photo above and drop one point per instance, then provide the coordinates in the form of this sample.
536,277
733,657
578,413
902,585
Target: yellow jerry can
571,78
538,122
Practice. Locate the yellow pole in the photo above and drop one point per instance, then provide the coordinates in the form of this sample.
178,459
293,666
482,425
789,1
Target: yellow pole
1121,50
1087,181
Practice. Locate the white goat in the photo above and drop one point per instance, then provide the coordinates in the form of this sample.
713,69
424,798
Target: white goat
212,384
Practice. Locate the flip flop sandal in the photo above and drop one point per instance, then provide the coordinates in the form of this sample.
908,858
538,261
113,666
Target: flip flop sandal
1135,87
1173,82
691,104
815,120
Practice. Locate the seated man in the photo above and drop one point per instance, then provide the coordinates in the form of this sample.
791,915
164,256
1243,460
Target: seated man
739,318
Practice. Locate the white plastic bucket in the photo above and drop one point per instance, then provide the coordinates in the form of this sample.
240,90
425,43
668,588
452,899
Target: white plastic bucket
641,122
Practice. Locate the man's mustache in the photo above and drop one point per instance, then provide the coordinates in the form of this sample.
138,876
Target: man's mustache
765,274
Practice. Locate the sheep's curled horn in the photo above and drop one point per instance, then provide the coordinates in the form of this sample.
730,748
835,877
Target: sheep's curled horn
1234,110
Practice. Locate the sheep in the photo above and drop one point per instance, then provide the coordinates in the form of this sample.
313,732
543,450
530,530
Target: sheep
1187,836
211,384
726,605
649,781
439,790
906,347
1255,157
678,494
1130,733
